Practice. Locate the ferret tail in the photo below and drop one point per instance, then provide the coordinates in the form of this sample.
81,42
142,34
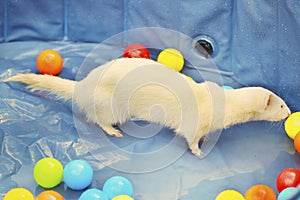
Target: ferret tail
63,88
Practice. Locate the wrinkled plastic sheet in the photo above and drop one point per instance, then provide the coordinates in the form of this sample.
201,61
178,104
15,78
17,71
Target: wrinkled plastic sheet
34,125
257,43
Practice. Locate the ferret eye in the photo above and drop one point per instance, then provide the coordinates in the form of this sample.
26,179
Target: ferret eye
281,106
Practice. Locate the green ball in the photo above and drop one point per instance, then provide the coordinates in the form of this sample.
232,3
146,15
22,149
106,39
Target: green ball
48,173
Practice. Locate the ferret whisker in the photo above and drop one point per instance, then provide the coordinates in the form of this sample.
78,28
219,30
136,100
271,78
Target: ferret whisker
271,125
278,126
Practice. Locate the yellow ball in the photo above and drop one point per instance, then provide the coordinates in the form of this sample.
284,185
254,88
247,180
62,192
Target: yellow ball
190,78
122,197
19,194
230,195
292,125
172,58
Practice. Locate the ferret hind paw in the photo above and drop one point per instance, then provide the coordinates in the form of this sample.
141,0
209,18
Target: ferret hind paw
197,152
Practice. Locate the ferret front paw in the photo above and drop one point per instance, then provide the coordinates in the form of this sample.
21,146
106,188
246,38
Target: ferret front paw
112,131
194,147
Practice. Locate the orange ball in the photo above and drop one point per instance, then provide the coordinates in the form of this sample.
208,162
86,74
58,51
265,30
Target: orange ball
297,142
260,192
49,62
49,195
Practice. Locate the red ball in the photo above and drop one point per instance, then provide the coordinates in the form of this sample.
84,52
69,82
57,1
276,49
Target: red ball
288,178
136,51
297,142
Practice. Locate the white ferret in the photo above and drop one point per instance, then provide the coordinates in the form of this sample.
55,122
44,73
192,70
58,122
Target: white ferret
144,89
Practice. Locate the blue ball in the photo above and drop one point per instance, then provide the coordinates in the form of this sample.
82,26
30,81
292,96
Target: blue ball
227,87
287,193
93,194
117,185
78,174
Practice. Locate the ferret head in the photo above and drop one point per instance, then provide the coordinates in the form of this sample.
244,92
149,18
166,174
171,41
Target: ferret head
272,107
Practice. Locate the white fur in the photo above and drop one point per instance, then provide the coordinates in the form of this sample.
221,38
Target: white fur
145,89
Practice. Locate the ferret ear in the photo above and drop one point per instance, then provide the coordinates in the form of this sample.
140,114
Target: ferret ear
268,101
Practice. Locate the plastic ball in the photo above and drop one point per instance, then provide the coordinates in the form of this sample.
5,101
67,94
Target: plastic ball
297,142
19,194
123,197
287,193
49,195
227,87
93,194
292,125
289,177
230,195
171,58
78,174
190,78
48,172
260,192
49,62
136,51
118,185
